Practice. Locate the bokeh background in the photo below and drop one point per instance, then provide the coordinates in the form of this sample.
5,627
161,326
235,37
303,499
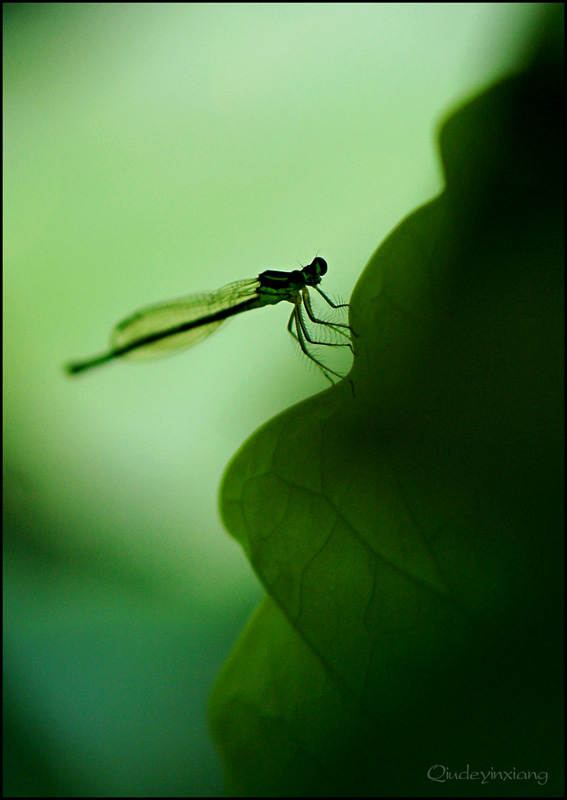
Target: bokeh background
150,151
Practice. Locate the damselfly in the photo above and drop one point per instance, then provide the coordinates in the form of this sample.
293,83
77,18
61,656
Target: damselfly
181,323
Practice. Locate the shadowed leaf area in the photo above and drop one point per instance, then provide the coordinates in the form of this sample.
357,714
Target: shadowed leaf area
409,537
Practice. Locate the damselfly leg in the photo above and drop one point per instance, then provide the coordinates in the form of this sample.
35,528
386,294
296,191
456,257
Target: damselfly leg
303,336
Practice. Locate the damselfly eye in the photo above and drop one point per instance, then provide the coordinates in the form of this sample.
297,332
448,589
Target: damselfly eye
320,265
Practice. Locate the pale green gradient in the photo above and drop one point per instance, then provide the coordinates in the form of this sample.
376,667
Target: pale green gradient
156,150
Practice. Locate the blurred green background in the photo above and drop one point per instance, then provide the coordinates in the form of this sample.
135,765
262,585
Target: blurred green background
151,151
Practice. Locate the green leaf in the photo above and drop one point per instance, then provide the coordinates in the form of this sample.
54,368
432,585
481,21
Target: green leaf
409,537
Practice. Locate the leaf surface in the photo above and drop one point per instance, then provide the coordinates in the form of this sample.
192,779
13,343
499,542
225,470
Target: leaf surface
409,537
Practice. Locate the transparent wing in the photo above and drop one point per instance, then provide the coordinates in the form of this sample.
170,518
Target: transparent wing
167,316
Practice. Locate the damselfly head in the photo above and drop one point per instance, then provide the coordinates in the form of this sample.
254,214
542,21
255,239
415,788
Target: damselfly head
315,270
